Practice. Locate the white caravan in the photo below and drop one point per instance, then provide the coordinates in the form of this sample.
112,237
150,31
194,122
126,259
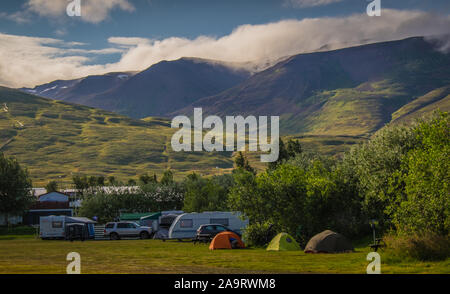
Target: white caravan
185,225
53,227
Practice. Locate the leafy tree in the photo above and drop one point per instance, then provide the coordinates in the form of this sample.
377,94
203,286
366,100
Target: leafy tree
206,194
369,167
15,187
286,152
293,148
52,186
132,182
146,179
421,186
167,177
241,161
151,197
101,181
80,182
301,202
112,180
93,181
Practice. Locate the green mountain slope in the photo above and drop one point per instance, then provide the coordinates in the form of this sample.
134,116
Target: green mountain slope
54,139
422,106
346,92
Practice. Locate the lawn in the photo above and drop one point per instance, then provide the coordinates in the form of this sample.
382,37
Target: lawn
26,254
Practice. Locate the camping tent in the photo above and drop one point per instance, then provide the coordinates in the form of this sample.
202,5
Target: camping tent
328,242
283,242
226,240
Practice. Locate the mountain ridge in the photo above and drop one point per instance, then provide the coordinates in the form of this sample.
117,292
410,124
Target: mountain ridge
315,92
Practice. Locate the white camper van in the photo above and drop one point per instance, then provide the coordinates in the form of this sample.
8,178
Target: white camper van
54,227
185,225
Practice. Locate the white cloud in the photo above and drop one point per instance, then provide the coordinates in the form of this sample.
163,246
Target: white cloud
27,61
93,11
20,17
309,3
128,41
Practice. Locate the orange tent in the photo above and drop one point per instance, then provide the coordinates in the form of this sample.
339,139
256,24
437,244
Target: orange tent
226,240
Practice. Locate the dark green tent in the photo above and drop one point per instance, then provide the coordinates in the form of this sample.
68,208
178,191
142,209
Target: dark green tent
328,242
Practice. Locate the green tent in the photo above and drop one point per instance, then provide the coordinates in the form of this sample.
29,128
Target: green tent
283,242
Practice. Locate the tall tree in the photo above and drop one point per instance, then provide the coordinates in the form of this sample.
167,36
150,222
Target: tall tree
241,162
112,180
15,187
51,186
167,177
286,152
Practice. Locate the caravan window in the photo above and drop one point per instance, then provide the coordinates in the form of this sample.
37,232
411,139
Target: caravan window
57,225
220,221
186,223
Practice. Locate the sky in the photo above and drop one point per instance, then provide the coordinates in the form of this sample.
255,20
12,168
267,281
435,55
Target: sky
40,43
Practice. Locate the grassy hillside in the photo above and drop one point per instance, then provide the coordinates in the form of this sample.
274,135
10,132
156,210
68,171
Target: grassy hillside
55,139
437,99
346,92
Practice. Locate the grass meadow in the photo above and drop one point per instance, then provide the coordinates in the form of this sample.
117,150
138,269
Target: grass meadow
25,254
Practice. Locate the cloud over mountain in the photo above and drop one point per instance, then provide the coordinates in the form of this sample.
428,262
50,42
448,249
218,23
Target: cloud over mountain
44,59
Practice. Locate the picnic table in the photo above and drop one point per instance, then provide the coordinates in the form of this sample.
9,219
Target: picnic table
379,243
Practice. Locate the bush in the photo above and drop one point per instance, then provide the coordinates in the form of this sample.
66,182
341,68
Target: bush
258,235
206,194
17,230
420,189
300,202
424,247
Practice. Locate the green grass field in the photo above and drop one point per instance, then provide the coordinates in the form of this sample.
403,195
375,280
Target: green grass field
21,254
55,140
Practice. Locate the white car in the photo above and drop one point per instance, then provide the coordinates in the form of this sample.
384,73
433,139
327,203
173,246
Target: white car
117,230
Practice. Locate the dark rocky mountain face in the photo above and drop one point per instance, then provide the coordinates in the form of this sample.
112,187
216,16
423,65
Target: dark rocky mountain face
162,88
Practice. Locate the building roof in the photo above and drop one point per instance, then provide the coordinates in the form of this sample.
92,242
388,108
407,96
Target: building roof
61,193
135,216
154,215
73,219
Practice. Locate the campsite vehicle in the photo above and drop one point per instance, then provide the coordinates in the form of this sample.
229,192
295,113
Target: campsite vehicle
54,227
165,221
153,220
207,232
117,230
185,225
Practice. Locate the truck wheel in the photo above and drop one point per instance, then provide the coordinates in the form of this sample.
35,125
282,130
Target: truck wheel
144,235
114,236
